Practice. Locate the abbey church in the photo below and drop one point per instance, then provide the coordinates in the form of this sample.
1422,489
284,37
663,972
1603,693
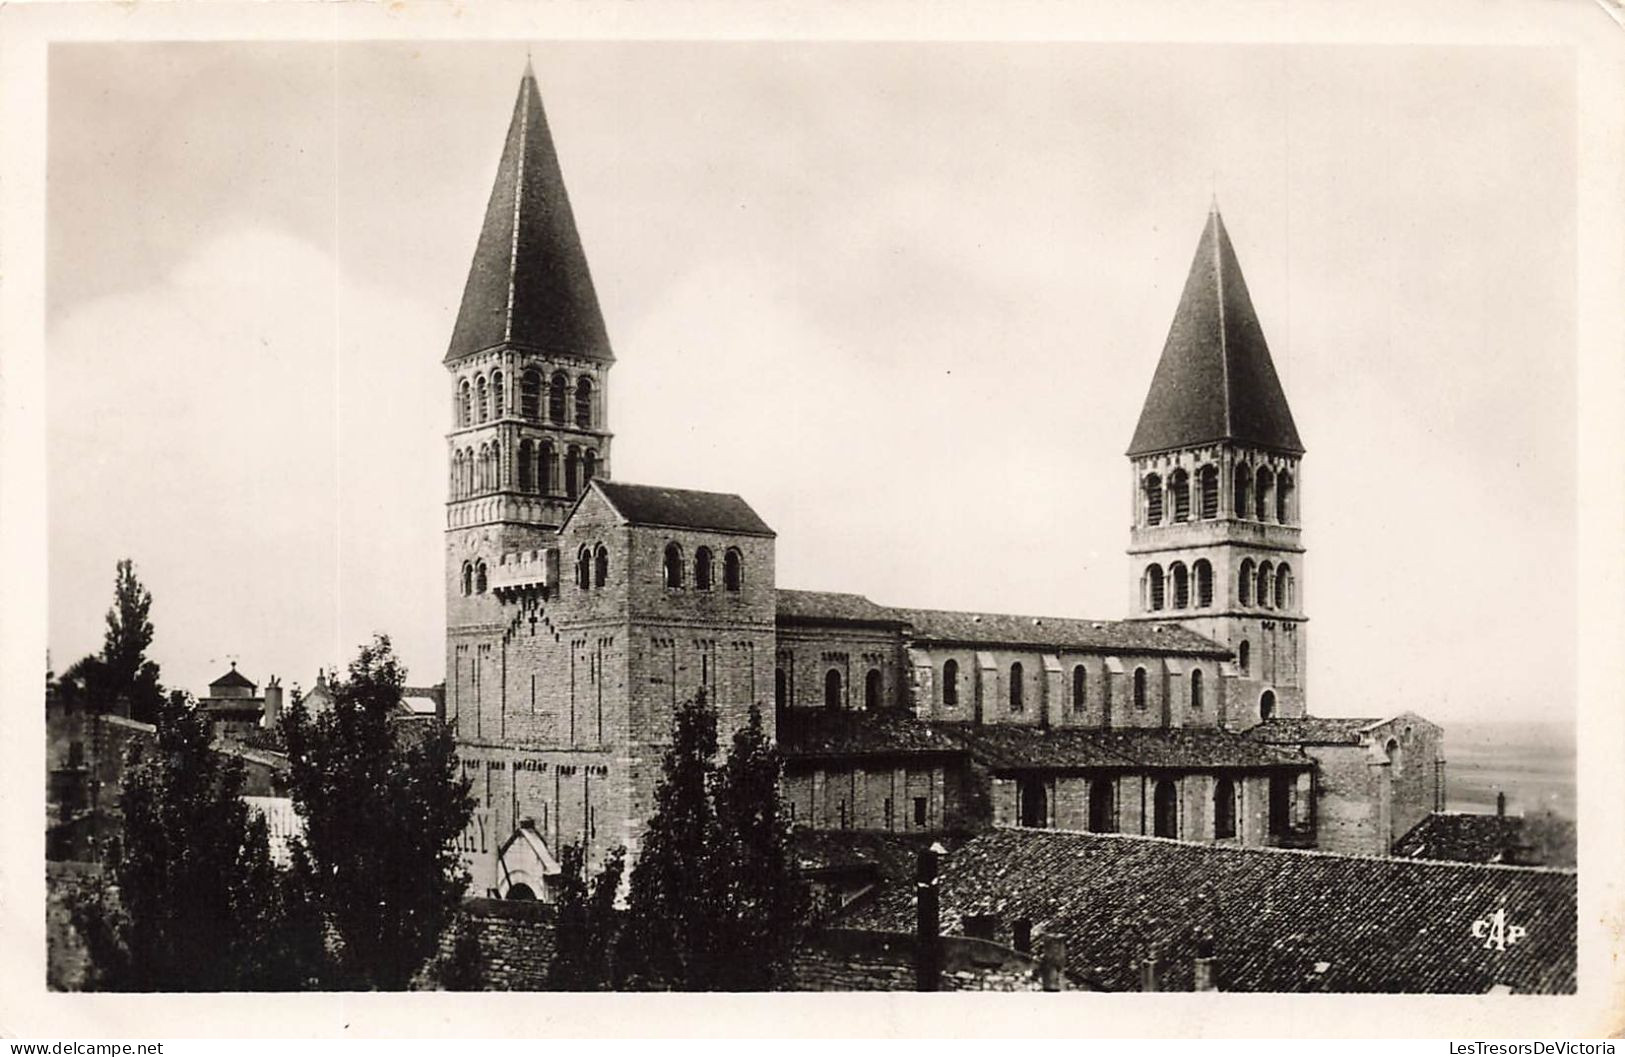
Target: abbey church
582,610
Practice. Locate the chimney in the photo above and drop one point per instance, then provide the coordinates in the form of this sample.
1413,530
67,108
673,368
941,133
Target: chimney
1151,970
927,921
273,703
1203,975
1500,805
1051,962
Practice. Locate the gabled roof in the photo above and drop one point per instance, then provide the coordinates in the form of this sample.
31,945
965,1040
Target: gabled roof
232,678
1311,730
1059,633
1215,380
832,607
641,504
1465,838
1280,920
529,284
822,733
1007,747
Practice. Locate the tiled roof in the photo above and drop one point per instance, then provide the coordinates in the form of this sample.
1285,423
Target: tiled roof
821,733
232,678
529,283
1465,838
1215,380
642,504
1057,633
891,856
1311,730
1280,920
833,607
1009,747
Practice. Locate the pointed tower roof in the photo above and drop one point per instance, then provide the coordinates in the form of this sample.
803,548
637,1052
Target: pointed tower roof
529,283
1215,380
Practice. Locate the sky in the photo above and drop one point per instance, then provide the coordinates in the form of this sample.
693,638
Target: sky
906,299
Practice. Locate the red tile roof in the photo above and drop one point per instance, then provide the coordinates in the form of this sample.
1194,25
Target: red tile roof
832,607
1465,838
642,504
821,733
1311,730
1057,633
1280,920
1006,747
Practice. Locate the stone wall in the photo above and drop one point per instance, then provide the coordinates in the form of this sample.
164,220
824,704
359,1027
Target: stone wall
862,960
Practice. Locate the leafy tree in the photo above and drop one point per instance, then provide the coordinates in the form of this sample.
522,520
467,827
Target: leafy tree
716,896
382,803
121,671
199,905
586,922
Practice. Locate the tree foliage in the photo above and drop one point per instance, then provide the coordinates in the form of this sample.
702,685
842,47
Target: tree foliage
197,903
586,922
121,672
382,804
716,898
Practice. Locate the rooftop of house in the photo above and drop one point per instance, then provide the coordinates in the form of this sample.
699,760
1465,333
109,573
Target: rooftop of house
1279,920
1461,837
232,679
641,504
833,607
822,733
1007,747
1311,730
891,857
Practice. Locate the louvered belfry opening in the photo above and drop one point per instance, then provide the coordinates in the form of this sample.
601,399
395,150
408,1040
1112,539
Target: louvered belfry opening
1207,479
1153,499
1179,487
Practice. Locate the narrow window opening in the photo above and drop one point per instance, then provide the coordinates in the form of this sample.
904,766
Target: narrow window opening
950,683
1016,703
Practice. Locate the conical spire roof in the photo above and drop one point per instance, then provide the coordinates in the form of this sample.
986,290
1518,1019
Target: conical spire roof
529,284
1215,380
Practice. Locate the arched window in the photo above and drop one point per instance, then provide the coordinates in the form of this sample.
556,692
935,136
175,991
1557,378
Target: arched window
1240,497
1266,704
1204,582
468,578
572,472
527,468
1016,688
1207,483
1283,498
584,568
1102,809
1264,500
557,391
584,403
832,688
482,471
950,683
1244,583
1139,687
468,471
465,404
674,566
1266,584
1224,809
495,476
483,398
496,394
1153,499
1283,587
1196,688
1167,809
872,689
702,568
1153,587
589,467
781,690
1080,687
530,394
1179,493
1243,656
733,569
480,582
546,469
600,566
1182,585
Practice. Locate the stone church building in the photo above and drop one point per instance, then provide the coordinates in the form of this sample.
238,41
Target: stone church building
582,610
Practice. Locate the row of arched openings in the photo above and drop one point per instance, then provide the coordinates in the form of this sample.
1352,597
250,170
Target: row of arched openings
874,685
1033,806
705,566
475,580
1155,586
1259,495
592,566
474,472
481,399
1080,686
1267,585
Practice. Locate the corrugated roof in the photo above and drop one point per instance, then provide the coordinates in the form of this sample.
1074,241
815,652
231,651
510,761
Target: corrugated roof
820,733
529,284
833,607
1058,633
1215,380
642,504
1008,747
1311,730
1280,920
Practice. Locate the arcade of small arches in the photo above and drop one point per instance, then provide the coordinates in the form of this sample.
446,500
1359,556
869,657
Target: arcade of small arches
674,569
477,471
874,685
1033,806
475,579
592,567
1016,694
483,398
1260,494
1264,584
